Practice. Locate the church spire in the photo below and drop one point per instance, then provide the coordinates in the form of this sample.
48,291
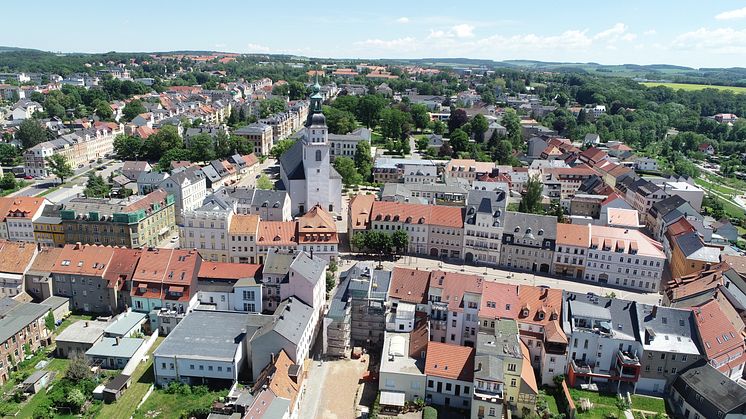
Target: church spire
316,101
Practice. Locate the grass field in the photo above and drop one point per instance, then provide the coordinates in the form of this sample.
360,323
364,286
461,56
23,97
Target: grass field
142,379
686,86
174,406
650,404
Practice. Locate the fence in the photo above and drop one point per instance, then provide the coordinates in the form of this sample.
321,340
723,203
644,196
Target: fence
140,355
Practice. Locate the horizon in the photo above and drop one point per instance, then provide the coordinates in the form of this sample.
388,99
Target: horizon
693,34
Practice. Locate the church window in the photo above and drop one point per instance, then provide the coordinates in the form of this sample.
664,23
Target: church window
318,155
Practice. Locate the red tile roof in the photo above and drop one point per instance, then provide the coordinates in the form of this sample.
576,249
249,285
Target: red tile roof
450,361
418,214
543,305
224,270
454,286
16,256
121,267
277,233
83,259
360,208
499,301
158,196
718,336
409,285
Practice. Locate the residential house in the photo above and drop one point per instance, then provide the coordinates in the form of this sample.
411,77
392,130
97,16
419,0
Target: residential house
529,242
18,215
78,274
358,216
113,352
22,328
17,258
198,352
721,342
188,187
540,327
132,169
38,278
230,286
450,375
402,372
207,229
602,342
259,135
669,345
454,300
164,285
317,234
243,234
689,254
367,289
483,226
269,205
701,392
291,328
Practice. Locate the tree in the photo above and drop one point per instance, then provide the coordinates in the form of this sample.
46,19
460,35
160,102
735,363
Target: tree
395,124
400,241
445,150
559,213
347,103
78,369
346,168
132,109
438,127
8,181
459,140
127,147
166,139
281,90
582,117
296,90
271,106
75,399
457,119
422,144
420,115
369,109
103,109
59,167
174,154
512,124
504,153
201,148
9,154
363,161
281,147
264,182
339,121
479,126
49,321
96,187
531,201
30,133
331,282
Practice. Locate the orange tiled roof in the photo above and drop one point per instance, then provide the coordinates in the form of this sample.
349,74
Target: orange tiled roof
717,334
360,208
409,285
543,304
224,270
276,233
450,361
46,259
158,196
83,259
244,224
21,206
417,214
454,285
121,267
281,384
16,256
578,235
499,301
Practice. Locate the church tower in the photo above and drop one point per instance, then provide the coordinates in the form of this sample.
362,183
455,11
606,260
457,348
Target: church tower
316,151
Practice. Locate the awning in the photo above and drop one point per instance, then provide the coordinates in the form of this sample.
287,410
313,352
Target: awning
392,398
175,288
142,286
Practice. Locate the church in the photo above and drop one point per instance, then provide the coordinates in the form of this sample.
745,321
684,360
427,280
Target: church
305,169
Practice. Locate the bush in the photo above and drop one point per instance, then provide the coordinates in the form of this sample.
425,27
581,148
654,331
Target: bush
429,413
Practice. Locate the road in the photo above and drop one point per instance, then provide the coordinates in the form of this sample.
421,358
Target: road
79,178
510,277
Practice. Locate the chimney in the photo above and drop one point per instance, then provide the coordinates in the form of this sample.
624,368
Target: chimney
117,340
311,252
86,324
272,358
77,246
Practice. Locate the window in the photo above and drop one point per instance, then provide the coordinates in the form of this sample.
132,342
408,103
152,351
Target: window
191,366
448,386
318,155
429,383
513,382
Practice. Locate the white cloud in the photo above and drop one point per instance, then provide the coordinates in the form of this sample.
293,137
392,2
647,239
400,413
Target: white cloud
732,14
650,32
463,30
720,40
406,44
402,20
256,48
618,32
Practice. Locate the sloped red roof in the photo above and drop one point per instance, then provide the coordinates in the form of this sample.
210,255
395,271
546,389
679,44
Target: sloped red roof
450,361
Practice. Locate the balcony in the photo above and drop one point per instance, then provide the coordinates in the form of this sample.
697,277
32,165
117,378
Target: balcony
628,358
488,395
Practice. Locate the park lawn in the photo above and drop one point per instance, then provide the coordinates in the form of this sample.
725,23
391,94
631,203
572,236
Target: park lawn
59,365
650,404
594,397
690,87
732,210
20,184
142,379
600,412
725,190
162,405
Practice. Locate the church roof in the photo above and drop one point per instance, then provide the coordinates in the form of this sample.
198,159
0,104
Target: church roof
291,162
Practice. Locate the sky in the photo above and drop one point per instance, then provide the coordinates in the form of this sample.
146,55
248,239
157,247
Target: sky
686,32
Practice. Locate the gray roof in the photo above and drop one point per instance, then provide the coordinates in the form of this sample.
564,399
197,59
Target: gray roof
619,313
253,128
291,161
197,337
151,178
55,301
35,376
311,268
665,329
340,301
291,319
255,197
277,408
83,331
278,262
692,247
487,367
19,316
125,322
215,203
535,222
211,173
395,189
108,347
710,392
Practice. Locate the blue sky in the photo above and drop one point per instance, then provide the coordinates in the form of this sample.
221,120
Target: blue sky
693,33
